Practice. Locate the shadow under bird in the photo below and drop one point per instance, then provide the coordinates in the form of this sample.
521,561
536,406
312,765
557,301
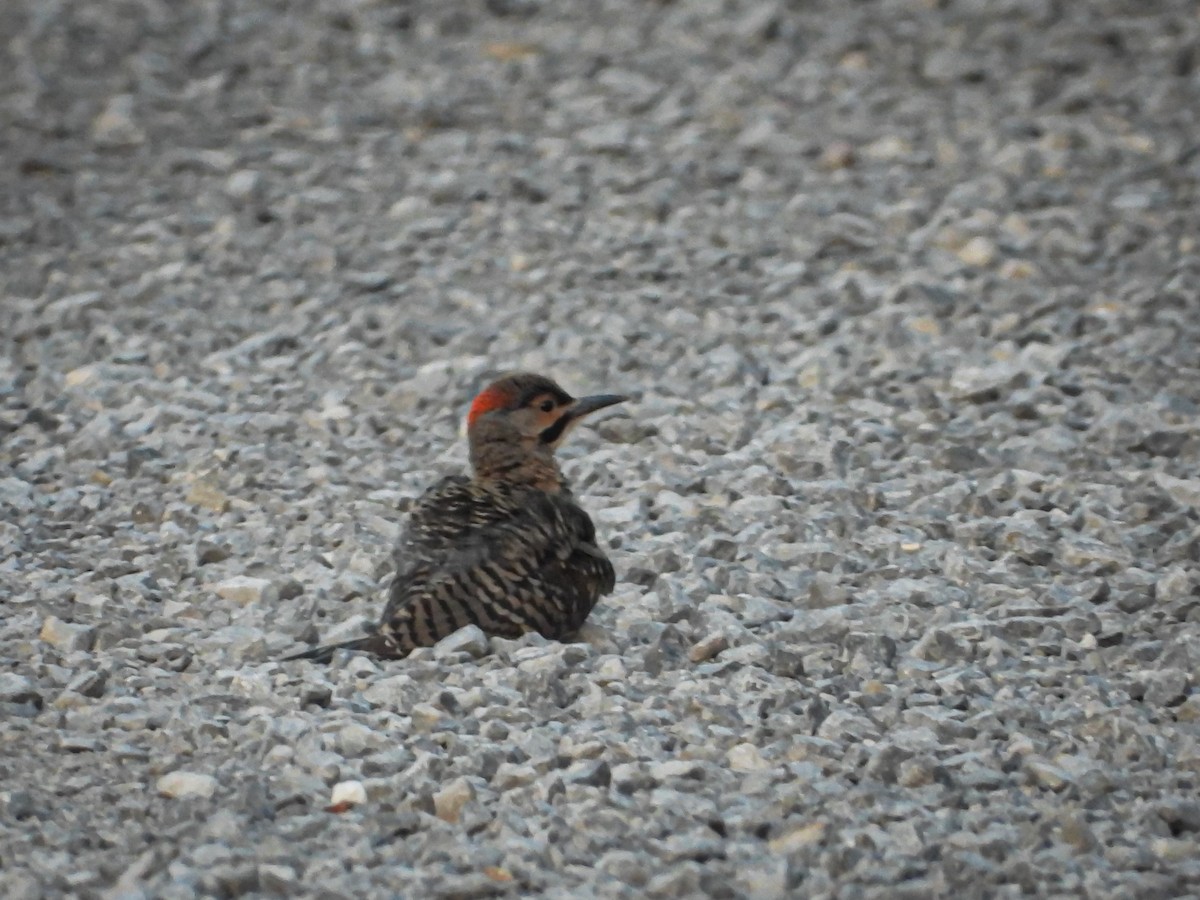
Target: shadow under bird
508,548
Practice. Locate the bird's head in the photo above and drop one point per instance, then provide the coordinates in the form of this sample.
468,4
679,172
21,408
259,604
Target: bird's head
517,421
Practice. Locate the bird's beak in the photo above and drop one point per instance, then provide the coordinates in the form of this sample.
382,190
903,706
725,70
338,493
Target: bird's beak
585,406
572,415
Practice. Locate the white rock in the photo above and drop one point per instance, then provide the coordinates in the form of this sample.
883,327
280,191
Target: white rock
277,880
511,775
746,758
617,515
610,669
182,784
14,687
351,792
797,838
244,186
449,801
888,147
245,589
115,126
394,691
469,639
425,717
67,636
1183,491
708,647
978,252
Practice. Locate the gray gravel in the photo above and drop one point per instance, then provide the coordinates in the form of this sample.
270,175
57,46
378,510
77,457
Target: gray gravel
906,516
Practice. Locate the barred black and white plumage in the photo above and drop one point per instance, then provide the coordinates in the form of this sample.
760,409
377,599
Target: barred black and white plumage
507,549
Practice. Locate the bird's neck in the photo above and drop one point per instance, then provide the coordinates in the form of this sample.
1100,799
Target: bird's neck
516,464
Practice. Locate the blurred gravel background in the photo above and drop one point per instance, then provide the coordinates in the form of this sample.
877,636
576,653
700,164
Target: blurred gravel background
906,516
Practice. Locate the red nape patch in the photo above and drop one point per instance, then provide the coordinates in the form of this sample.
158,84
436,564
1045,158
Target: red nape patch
489,398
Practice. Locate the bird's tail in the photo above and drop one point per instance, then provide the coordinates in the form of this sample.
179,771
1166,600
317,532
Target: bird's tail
325,654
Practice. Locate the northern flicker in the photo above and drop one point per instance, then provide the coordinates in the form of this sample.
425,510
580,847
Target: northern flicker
508,548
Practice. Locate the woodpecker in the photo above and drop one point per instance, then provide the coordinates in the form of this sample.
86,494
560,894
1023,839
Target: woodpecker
508,548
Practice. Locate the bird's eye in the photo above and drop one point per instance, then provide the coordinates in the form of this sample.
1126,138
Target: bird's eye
547,405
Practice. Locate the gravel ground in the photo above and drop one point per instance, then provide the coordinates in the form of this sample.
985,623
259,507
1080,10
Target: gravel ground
906,515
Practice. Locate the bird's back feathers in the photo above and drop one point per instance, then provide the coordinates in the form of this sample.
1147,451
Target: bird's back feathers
509,558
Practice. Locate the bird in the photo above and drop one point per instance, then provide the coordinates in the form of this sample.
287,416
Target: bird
506,548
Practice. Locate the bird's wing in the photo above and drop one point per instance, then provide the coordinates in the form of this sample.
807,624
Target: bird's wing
507,559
